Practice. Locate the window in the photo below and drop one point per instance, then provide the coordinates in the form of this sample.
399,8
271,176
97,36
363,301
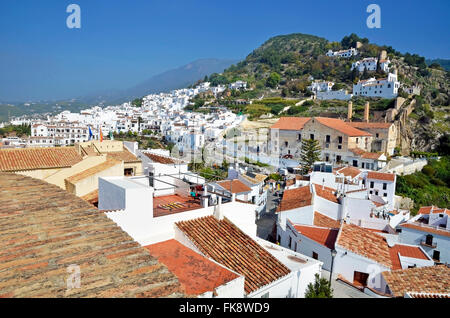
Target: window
299,137
371,184
436,255
429,239
290,242
385,194
128,172
340,139
338,158
311,136
377,135
315,255
384,186
328,138
355,163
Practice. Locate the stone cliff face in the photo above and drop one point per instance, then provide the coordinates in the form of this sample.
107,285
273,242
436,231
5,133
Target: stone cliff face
415,134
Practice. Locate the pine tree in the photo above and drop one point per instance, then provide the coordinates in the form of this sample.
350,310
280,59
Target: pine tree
310,153
320,289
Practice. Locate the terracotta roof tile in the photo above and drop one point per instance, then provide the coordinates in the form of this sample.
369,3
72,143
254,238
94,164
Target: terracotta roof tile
364,125
295,198
325,221
237,186
365,154
365,243
228,245
429,295
341,126
291,123
124,155
44,229
196,273
405,251
109,163
381,176
323,236
429,279
352,172
326,193
159,159
38,158
426,228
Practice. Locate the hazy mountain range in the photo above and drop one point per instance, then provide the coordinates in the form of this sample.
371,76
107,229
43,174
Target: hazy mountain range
173,79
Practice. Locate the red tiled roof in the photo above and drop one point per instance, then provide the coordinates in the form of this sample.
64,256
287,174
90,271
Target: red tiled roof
364,125
405,251
429,279
196,273
38,158
109,163
325,221
237,186
295,198
428,295
381,176
365,243
326,193
44,229
365,154
159,159
290,123
426,228
432,209
352,172
341,126
228,245
323,236
124,155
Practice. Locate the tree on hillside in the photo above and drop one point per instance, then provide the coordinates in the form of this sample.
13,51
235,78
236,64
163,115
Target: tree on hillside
310,153
320,289
273,80
350,41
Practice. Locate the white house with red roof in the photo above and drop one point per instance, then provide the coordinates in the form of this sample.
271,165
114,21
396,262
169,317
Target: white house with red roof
221,239
382,185
430,229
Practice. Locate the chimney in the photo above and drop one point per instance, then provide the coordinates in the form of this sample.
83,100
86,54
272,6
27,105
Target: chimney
350,111
366,112
218,213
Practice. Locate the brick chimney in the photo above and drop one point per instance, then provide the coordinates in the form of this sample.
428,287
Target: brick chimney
366,112
350,111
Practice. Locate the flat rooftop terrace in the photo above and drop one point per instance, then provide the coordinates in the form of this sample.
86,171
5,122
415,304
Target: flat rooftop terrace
174,203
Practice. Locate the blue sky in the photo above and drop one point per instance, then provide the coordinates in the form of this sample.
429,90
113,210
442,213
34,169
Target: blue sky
123,42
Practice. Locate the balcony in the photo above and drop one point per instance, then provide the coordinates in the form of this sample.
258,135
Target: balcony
432,245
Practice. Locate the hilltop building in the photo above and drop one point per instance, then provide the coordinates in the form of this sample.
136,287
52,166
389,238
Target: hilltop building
343,53
382,87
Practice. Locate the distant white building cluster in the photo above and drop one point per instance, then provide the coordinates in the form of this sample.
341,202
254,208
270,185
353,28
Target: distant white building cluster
343,53
370,64
162,113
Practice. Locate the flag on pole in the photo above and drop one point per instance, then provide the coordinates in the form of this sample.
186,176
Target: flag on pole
90,133
101,135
